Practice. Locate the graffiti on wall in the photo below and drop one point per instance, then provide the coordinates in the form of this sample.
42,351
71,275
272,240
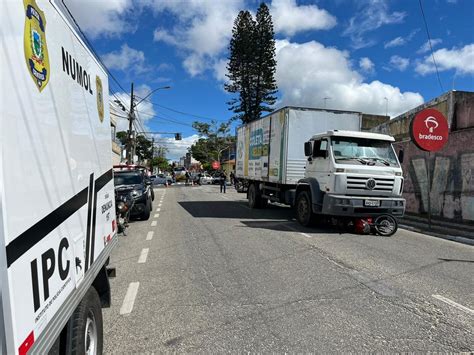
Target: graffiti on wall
451,189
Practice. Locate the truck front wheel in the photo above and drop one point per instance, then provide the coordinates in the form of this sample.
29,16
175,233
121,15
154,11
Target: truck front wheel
86,325
304,213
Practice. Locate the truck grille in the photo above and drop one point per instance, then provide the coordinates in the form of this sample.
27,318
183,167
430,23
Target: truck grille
360,183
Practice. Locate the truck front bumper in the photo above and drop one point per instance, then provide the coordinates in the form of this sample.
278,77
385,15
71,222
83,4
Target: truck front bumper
362,206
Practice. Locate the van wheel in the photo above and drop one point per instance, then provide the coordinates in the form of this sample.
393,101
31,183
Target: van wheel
304,212
86,325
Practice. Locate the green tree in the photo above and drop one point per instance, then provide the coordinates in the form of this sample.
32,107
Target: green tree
122,136
160,162
213,139
143,148
252,65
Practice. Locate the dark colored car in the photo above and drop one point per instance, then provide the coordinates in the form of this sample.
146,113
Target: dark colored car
141,193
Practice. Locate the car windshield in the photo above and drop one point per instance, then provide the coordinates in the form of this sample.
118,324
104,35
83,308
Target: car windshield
346,150
127,179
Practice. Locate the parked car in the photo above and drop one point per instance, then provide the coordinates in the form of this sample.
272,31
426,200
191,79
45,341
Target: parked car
142,191
206,179
162,179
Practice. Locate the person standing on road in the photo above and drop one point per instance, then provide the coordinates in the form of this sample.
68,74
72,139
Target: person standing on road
222,180
232,178
187,178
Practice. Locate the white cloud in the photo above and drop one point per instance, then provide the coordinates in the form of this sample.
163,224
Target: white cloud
102,18
176,149
396,42
459,59
126,59
399,63
426,46
401,41
372,15
308,72
220,70
366,65
289,18
202,31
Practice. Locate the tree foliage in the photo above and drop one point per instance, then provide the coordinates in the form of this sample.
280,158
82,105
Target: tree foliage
252,65
214,139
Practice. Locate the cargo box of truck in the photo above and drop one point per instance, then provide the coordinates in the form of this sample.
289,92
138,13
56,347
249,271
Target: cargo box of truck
271,148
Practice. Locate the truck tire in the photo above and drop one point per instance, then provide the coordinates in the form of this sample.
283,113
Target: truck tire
86,326
255,198
304,212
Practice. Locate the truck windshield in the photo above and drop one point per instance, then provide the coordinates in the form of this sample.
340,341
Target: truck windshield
346,150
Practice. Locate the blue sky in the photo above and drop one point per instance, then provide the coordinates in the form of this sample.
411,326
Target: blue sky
363,55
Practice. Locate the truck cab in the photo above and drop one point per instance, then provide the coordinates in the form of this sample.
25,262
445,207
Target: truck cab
352,174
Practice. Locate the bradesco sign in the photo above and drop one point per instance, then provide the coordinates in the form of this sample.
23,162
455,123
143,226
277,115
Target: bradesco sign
429,130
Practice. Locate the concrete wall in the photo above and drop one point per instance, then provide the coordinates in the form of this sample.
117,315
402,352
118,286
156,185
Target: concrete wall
451,169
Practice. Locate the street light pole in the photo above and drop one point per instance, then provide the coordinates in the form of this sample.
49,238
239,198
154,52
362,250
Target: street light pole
151,92
130,129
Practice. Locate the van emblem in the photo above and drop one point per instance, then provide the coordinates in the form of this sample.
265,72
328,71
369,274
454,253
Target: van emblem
100,98
34,44
370,184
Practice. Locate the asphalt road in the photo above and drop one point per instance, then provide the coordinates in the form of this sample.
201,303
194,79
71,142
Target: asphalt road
208,274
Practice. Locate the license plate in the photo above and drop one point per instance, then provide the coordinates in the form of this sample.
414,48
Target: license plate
372,203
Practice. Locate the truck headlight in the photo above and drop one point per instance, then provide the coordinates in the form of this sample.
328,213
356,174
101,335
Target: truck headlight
398,173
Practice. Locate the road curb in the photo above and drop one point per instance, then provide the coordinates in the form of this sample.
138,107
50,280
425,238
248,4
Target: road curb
454,238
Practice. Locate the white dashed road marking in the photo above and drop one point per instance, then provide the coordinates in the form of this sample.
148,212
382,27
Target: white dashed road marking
158,209
149,236
156,215
154,223
454,304
129,299
143,256
159,205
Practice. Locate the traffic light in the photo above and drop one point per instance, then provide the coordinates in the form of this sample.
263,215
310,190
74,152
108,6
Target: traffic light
177,136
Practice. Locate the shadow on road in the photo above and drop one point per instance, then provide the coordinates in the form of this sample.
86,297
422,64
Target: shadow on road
234,209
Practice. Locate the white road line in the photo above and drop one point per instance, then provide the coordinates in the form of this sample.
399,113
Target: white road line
158,209
143,255
129,299
297,231
159,205
154,223
156,215
454,304
149,235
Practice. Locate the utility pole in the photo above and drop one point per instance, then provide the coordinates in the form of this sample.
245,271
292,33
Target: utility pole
130,150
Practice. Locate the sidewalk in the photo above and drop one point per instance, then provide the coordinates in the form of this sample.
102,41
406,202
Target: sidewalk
462,233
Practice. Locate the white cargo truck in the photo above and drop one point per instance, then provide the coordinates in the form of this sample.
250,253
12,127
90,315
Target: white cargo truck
321,163
57,206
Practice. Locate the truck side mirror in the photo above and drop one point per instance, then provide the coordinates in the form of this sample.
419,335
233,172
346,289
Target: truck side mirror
308,149
401,153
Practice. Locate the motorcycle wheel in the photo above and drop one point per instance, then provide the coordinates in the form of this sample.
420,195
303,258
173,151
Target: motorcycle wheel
385,225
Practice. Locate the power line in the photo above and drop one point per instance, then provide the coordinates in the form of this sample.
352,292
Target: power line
431,47
92,47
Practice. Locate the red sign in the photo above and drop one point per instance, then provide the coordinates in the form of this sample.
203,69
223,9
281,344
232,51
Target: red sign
429,130
216,165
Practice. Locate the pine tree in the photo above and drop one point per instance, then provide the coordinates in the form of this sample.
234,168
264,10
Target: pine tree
252,65
239,66
265,63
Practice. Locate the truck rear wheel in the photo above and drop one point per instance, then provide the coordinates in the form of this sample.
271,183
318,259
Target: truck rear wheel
86,327
304,212
252,196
